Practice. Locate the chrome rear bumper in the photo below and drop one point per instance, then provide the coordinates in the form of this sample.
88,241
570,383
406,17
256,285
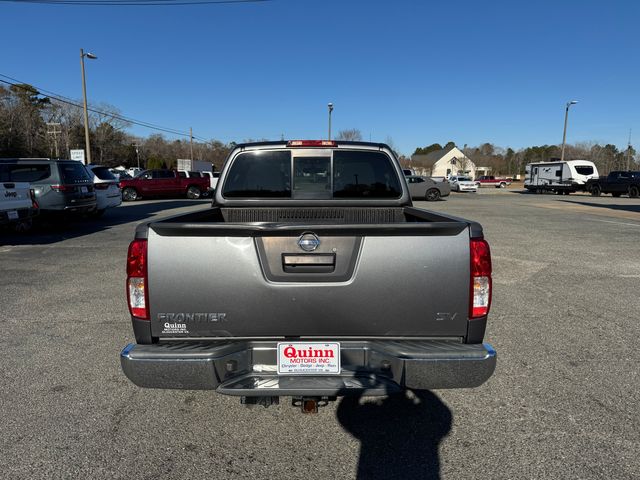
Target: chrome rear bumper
248,368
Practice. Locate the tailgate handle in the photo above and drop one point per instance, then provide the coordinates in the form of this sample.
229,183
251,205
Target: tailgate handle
309,263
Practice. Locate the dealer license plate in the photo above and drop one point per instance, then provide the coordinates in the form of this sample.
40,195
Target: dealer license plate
308,358
83,190
12,214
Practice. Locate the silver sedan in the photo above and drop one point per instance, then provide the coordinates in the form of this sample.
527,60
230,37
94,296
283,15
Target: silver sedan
423,188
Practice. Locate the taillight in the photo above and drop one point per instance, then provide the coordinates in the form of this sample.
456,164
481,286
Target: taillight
63,188
480,294
34,202
311,143
137,288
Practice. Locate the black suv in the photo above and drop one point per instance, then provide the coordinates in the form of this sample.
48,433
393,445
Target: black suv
59,185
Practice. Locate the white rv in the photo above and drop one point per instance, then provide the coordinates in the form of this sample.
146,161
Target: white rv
559,177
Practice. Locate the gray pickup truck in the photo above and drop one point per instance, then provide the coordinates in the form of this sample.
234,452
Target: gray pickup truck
311,276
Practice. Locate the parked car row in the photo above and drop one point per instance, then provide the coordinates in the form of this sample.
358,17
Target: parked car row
54,186
40,185
434,188
30,186
36,185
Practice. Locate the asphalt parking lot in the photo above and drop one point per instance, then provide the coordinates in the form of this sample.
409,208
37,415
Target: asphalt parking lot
563,402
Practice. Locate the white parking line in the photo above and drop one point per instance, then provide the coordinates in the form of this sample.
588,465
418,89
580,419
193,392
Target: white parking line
618,223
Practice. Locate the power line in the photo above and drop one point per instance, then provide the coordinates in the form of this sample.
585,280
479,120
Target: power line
71,101
134,2
63,99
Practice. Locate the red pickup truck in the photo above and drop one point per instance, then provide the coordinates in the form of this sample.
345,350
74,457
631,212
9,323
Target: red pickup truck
491,181
162,183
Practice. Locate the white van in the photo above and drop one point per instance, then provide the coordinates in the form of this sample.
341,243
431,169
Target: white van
559,177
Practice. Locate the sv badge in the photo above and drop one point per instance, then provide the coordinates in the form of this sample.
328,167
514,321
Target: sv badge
445,316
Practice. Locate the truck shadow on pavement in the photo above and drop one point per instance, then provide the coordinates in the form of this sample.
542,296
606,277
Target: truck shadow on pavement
399,435
613,206
48,229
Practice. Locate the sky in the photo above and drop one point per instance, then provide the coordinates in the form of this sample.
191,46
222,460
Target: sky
413,72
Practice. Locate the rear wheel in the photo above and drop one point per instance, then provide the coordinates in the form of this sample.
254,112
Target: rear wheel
130,194
633,191
596,191
432,195
193,193
502,185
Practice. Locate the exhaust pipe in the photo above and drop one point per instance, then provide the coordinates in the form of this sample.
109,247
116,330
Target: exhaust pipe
264,401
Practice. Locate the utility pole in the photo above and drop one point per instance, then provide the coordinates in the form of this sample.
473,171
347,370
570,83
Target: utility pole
564,135
55,132
84,104
629,152
191,141
330,105
137,153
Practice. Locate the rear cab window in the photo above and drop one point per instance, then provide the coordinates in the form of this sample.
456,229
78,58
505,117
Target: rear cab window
312,174
364,174
261,174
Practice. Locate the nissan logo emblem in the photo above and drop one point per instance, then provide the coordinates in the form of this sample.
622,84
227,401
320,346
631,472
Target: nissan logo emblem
308,242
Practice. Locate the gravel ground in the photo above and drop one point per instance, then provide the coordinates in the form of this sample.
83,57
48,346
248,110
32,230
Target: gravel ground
563,402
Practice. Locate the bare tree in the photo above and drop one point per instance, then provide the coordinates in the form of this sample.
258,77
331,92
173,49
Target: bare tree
108,131
351,134
392,145
71,123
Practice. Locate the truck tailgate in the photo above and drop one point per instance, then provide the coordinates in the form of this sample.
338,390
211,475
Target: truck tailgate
264,284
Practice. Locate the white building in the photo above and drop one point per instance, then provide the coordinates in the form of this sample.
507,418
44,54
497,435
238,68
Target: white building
443,163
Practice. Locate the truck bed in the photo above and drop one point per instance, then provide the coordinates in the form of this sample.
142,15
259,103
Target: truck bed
267,287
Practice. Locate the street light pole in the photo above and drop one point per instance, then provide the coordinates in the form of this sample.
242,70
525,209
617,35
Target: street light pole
84,104
330,105
564,134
